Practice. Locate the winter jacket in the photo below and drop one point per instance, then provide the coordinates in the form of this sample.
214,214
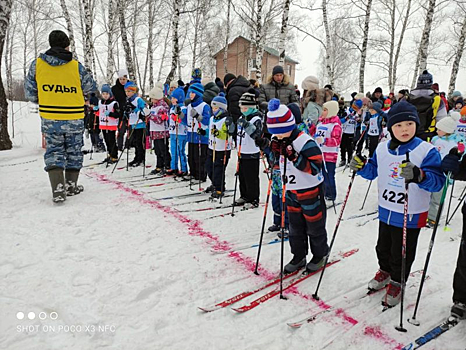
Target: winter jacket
312,113
433,181
254,131
210,91
56,57
160,117
138,109
284,91
119,94
335,137
234,92
193,137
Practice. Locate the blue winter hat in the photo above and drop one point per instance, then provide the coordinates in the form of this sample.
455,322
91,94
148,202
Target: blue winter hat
377,106
220,101
131,86
280,120
106,88
294,108
401,112
197,88
178,94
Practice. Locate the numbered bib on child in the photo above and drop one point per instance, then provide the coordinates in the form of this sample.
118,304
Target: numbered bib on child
215,143
391,185
155,126
461,130
444,146
324,132
177,128
134,116
106,122
297,179
374,126
192,114
349,125
248,145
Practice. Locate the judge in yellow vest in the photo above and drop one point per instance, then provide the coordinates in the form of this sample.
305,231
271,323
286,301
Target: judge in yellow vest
58,83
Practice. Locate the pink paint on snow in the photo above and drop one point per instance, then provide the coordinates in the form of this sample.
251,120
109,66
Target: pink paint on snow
195,229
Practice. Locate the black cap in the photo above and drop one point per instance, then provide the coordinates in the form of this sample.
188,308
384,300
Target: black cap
58,38
278,70
228,77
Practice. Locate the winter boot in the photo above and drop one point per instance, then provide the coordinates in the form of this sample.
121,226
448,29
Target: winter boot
252,204
294,264
458,310
380,280
239,202
71,178
342,162
182,174
393,295
315,264
430,223
155,171
216,194
274,228
279,234
57,181
210,189
171,172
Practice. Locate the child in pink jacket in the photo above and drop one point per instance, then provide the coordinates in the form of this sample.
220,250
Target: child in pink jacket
327,135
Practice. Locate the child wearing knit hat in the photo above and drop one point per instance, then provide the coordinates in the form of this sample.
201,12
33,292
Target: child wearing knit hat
109,113
249,128
304,189
328,135
423,174
158,128
178,128
199,114
221,128
446,139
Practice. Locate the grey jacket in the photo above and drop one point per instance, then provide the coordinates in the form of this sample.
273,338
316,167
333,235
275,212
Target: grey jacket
285,92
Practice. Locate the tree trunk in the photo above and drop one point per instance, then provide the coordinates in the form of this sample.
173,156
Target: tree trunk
227,39
124,39
135,55
69,26
259,45
165,45
5,13
281,42
251,43
458,55
111,32
392,45
400,42
362,64
176,49
149,45
328,45
88,46
197,20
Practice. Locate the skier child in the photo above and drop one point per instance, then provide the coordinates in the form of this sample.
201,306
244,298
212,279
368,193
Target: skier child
109,113
178,134
348,122
158,124
134,111
219,145
423,173
304,189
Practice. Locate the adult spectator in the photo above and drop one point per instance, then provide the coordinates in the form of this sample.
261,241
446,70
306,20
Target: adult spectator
377,96
452,100
118,91
278,86
430,106
211,90
436,89
235,88
58,84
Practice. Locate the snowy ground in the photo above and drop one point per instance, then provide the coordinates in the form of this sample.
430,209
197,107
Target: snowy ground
117,267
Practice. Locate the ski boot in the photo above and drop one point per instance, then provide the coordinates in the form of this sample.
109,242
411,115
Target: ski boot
380,280
274,228
393,295
71,178
458,310
210,189
239,202
57,181
156,171
315,264
294,265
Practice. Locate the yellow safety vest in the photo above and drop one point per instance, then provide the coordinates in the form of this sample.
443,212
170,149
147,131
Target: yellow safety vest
59,89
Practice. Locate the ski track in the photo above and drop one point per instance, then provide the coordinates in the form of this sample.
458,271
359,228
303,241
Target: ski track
195,229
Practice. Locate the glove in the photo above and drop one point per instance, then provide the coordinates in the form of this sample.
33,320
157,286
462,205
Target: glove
411,173
176,118
215,132
95,108
320,140
262,142
451,162
276,147
128,108
164,117
201,132
358,162
243,122
291,153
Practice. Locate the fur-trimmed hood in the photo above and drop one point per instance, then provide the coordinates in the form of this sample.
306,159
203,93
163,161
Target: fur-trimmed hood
286,79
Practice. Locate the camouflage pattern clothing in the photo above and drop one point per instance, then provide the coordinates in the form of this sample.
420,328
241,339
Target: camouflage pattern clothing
64,142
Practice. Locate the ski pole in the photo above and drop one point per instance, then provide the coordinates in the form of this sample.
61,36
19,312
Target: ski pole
282,221
365,197
200,151
400,328
222,185
263,225
457,207
355,148
129,134
449,202
343,206
236,175
413,319
191,149
462,193
214,144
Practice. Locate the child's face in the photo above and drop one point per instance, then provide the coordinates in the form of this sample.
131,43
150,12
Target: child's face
458,106
192,96
215,109
325,113
283,136
372,111
174,101
244,109
154,100
129,93
105,95
404,131
441,133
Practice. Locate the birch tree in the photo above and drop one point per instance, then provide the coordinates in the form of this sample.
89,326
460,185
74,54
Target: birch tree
328,45
227,38
111,35
175,38
121,5
458,54
398,47
5,13
362,64
259,46
421,61
88,43
281,44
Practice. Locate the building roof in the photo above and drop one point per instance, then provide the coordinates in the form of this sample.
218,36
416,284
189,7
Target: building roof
267,49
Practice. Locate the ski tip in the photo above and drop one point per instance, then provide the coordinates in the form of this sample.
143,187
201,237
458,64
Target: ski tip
205,309
238,309
294,325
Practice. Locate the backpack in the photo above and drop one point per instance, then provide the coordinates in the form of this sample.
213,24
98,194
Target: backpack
425,111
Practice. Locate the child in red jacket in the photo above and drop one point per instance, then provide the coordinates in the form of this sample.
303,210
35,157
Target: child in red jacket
328,135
